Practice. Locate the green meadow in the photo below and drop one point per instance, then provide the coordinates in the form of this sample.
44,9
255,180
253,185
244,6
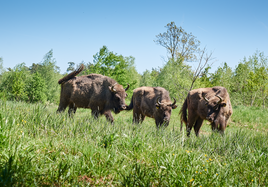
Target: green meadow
42,148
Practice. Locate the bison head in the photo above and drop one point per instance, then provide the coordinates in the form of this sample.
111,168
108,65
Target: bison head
214,108
118,97
163,112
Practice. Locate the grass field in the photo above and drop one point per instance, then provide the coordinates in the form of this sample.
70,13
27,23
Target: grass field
42,148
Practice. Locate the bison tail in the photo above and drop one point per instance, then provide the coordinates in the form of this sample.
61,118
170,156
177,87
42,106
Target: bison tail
71,75
130,106
183,113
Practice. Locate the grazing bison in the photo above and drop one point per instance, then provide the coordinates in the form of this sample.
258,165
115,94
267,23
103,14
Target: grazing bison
212,104
153,102
100,93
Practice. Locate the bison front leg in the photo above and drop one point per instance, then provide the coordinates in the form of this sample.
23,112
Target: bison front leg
222,124
95,114
213,126
109,116
219,124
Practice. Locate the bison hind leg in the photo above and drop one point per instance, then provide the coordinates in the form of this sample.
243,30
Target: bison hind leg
62,106
138,117
72,109
190,124
197,126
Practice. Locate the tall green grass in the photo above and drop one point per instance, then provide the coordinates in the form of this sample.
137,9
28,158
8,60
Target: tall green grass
42,148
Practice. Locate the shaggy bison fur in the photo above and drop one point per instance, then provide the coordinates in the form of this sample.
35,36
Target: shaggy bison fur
99,93
212,104
153,102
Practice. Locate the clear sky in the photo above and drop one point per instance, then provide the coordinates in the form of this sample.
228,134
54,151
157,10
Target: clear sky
77,29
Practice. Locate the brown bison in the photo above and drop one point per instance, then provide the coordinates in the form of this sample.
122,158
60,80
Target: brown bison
100,93
212,104
153,102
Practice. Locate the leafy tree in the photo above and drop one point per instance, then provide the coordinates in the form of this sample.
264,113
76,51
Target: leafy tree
250,80
115,66
262,77
205,77
13,83
149,78
2,70
175,76
178,43
71,66
36,88
35,68
257,79
50,74
222,77
1,66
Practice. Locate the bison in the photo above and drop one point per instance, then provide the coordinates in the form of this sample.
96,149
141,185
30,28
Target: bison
100,93
153,102
212,104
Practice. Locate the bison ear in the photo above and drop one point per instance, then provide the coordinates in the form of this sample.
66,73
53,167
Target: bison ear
157,105
174,106
223,104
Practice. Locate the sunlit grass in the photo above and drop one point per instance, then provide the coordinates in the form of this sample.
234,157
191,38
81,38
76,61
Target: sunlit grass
42,148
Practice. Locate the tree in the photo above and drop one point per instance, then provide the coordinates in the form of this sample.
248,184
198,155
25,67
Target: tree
116,66
2,70
36,88
175,76
223,77
71,66
250,80
14,81
1,66
149,78
203,60
205,77
50,74
178,43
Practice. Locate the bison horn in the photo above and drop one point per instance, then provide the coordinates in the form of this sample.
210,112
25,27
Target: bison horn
157,101
220,99
174,102
205,98
113,90
127,87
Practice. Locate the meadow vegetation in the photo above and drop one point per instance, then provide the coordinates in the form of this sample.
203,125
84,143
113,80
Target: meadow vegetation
39,147
42,148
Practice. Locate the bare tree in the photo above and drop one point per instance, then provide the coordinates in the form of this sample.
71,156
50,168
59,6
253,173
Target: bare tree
178,43
203,60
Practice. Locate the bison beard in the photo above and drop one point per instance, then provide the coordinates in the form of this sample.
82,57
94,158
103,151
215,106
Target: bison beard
99,93
153,102
212,104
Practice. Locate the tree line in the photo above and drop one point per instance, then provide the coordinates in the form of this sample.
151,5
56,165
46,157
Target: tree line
247,84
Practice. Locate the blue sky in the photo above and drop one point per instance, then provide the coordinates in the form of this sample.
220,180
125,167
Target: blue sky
76,30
